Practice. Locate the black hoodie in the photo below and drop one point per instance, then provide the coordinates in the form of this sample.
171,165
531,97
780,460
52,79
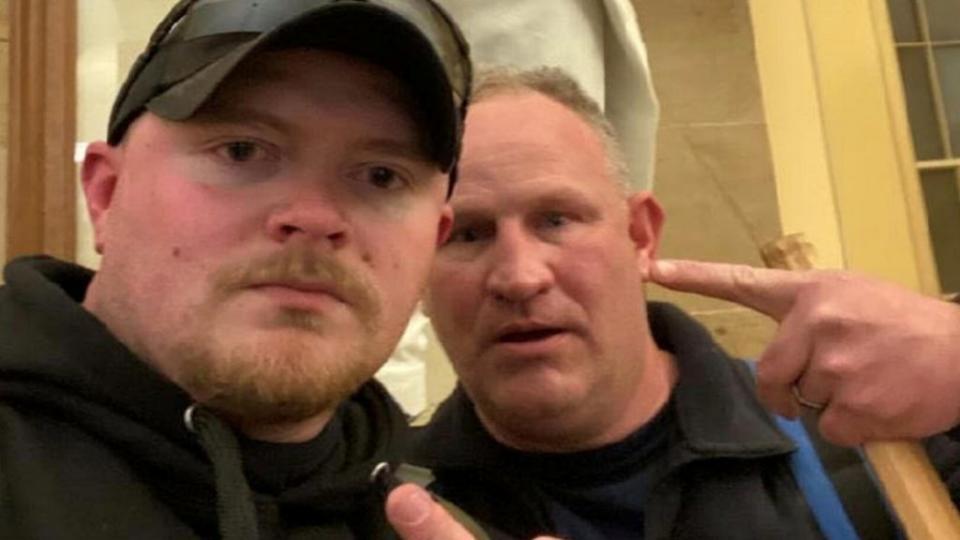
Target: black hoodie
93,442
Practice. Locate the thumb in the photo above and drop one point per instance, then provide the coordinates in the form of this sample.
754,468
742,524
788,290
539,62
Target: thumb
771,292
416,516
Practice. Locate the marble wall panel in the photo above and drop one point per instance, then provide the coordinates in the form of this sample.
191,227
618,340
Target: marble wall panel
716,186
703,62
714,174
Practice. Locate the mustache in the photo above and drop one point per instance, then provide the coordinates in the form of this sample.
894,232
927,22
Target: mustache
304,265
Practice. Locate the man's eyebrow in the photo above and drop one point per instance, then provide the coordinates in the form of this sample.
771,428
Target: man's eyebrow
395,147
467,213
561,196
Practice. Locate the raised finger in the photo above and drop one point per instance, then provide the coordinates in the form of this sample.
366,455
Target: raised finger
771,292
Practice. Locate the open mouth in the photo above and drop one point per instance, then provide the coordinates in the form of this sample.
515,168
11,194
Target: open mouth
529,335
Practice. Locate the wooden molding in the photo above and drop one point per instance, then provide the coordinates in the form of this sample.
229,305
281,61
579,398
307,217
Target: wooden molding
839,136
41,175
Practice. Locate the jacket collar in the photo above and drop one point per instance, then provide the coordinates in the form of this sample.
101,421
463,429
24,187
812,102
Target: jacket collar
715,404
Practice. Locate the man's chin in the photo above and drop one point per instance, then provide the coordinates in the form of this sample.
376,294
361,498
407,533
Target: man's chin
273,377
539,393
278,412
323,338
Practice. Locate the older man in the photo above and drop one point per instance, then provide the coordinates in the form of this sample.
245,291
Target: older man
267,204
583,411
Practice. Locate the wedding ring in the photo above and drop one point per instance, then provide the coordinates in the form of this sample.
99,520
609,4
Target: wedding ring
806,402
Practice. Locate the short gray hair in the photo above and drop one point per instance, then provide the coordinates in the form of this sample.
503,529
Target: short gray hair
558,85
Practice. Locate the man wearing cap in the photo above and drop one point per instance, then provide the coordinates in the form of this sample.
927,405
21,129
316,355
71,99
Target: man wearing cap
267,204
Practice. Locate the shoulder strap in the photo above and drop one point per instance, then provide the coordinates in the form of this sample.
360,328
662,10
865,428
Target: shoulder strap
837,483
819,492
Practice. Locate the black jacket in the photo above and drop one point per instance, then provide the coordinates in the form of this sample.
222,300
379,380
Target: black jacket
93,442
723,473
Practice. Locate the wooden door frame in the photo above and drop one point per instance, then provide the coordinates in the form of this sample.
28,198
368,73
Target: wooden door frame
843,160
41,174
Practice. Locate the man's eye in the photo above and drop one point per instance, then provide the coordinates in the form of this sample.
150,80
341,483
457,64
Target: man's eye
469,234
464,236
384,178
242,151
555,219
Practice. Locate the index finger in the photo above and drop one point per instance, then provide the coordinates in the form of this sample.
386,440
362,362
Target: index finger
771,292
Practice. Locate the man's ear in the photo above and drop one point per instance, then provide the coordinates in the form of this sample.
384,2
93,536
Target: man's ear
646,221
445,225
101,170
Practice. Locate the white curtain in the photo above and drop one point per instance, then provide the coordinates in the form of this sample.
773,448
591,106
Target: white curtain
596,41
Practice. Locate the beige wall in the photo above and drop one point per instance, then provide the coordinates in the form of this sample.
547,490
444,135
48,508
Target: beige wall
4,104
714,175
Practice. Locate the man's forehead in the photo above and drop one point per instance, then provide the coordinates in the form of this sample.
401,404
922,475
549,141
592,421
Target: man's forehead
532,166
517,130
492,198
489,159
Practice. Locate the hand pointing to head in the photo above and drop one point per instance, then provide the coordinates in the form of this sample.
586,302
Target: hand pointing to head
882,360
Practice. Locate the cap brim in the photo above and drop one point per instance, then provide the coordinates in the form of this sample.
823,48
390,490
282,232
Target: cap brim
363,30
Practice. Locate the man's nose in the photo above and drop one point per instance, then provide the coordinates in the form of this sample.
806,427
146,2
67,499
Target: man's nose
310,213
520,268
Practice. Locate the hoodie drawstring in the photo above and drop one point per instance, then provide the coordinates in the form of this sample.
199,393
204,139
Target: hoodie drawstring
236,514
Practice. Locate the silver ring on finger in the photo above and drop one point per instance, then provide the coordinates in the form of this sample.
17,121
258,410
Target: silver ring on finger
806,402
